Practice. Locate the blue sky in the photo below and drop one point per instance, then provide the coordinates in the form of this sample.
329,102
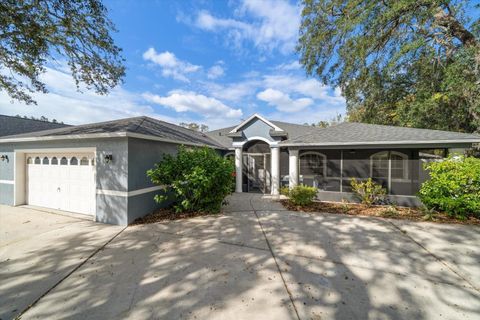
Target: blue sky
211,62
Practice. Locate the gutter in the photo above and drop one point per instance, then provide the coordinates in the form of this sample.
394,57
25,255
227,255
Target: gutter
106,136
401,142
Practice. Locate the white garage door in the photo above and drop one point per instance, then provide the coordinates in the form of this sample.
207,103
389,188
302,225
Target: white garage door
62,181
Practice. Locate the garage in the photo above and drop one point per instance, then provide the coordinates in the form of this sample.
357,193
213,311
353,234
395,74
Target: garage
63,181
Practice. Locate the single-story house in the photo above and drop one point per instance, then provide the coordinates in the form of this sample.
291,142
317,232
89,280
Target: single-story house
99,169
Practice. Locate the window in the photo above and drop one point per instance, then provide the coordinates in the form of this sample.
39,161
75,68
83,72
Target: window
381,162
54,161
63,161
74,161
37,160
313,164
84,161
29,160
45,161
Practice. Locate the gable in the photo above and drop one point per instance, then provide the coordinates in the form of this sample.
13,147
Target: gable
255,118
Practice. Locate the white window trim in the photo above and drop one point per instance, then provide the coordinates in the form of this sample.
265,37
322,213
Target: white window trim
324,159
389,159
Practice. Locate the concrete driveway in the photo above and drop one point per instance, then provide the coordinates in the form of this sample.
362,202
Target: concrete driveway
258,261
38,249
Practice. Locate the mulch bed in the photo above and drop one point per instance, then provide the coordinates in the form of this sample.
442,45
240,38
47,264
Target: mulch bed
392,212
167,214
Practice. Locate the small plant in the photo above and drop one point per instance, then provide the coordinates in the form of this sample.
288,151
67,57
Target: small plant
390,211
285,191
344,206
454,187
368,192
428,214
302,195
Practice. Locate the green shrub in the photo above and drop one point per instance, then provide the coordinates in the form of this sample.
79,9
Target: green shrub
302,195
196,180
368,192
285,191
454,186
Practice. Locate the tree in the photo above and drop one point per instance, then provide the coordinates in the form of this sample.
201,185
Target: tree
36,32
195,126
324,124
397,62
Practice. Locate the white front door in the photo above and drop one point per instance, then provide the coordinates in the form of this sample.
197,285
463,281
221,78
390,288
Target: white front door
61,181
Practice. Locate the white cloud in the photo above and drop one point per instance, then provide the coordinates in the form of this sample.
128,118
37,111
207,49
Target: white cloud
294,65
269,24
187,101
309,87
65,103
170,64
237,91
282,101
215,72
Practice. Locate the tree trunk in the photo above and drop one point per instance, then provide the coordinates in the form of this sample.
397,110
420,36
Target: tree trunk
454,27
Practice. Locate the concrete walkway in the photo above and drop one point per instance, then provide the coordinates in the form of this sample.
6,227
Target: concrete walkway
259,261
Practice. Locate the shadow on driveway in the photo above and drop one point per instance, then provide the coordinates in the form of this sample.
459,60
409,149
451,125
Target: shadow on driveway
222,267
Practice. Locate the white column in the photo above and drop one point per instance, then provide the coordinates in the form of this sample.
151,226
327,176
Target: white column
292,168
275,170
238,169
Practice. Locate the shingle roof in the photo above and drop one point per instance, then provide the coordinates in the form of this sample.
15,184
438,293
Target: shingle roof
10,125
293,130
139,125
354,133
362,133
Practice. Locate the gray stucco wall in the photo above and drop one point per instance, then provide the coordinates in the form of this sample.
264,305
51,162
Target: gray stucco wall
142,156
406,201
6,166
6,194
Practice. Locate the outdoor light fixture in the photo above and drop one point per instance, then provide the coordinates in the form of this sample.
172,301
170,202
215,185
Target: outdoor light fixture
108,158
4,157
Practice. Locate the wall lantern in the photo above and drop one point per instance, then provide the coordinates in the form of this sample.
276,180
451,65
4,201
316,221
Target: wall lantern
108,158
4,157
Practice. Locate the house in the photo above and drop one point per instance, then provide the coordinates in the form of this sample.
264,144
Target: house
99,169
10,125
271,154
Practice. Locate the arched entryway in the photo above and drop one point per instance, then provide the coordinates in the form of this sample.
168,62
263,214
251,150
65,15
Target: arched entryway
256,167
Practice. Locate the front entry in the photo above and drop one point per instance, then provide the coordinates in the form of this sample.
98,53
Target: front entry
258,172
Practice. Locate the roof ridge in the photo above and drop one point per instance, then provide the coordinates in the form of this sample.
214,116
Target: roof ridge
38,120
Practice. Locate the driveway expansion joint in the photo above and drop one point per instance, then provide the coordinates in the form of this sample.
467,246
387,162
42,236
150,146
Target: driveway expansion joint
290,295
440,260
